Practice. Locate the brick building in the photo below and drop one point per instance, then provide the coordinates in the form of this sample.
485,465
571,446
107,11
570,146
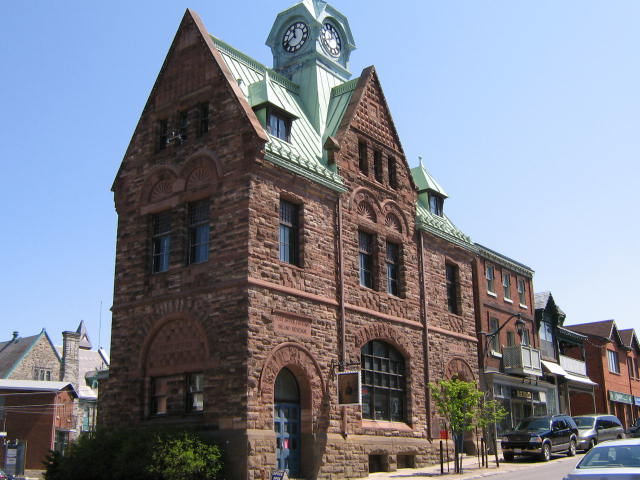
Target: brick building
510,360
271,236
612,361
40,414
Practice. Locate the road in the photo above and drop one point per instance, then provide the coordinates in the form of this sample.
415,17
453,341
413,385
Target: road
556,469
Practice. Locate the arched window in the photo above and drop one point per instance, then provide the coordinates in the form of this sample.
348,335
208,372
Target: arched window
286,387
383,382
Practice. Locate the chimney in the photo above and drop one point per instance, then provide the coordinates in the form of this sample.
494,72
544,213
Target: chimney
70,360
15,336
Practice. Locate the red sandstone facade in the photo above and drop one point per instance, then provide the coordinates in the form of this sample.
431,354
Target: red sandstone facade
206,344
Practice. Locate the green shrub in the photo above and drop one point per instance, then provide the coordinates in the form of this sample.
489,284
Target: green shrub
136,454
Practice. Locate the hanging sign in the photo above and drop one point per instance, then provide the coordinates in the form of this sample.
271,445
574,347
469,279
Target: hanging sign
349,388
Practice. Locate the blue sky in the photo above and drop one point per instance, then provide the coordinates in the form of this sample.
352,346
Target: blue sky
526,112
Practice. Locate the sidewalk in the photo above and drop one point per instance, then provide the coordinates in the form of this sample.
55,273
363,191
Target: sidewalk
470,470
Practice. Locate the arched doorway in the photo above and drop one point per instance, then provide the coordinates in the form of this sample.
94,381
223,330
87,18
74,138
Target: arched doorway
286,422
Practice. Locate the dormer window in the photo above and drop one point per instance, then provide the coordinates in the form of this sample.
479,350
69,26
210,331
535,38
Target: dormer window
278,124
436,203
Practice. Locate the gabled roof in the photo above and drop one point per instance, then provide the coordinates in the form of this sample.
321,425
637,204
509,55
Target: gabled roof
629,338
84,337
604,329
544,300
12,352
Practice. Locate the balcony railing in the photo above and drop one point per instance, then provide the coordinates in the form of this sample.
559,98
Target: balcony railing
521,360
572,365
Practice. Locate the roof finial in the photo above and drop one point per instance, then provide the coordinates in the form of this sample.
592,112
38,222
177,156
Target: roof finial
420,158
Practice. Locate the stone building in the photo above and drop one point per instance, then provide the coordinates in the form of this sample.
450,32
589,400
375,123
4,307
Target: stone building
283,280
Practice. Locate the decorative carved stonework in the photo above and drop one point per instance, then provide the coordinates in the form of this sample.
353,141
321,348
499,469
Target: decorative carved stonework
458,368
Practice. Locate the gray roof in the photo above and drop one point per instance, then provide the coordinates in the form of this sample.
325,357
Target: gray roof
34,385
541,300
13,351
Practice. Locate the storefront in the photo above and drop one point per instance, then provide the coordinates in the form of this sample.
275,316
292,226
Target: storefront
621,405
522,399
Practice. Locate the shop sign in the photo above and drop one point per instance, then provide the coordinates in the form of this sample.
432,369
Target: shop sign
620,397
637,400
522,394
349,388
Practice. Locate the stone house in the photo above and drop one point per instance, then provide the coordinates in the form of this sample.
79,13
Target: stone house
284,281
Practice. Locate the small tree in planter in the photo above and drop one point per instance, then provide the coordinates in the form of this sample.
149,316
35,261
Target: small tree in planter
489,413
457,402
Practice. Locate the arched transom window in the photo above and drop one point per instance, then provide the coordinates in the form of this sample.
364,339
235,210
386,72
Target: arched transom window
383,382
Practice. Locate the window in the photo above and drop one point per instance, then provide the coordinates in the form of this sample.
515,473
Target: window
161,223
490,275
393,174
198,231
506,283
635,364
377,165
159,395
495,340
365,257
203,118
393,262
43,374
383,382
612,358
289,232
436,203
195,392
363,163
521,292
511,338
183,125
163,134
630,367
451,272
547,343
526,339
61,441
279,126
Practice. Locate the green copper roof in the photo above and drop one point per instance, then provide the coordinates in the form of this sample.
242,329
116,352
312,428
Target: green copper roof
424,181
303,155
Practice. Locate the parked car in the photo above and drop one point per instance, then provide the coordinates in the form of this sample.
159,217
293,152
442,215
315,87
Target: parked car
541,436
612,460
593,429
634,429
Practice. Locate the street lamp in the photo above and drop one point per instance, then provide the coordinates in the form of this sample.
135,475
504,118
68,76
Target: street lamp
520,324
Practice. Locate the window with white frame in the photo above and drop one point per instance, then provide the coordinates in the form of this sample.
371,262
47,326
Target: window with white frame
521,292
506,284
612,358
490,276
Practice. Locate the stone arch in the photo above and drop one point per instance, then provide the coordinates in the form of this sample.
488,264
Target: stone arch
395,217
177,343
160,184
201,170
457,367
361,197
307,371
386,333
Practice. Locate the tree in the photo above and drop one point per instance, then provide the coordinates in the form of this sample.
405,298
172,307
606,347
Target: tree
457,402
489,413
185,457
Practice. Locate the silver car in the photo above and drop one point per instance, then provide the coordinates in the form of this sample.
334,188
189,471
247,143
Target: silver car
593,429
612,460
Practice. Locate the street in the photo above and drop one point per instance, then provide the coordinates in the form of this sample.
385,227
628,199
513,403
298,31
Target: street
556,469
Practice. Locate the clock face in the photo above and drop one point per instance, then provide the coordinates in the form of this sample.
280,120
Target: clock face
331,40
295,36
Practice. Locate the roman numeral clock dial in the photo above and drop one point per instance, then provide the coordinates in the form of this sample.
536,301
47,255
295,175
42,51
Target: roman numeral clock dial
295,37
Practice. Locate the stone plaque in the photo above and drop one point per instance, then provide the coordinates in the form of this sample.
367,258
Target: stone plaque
292,324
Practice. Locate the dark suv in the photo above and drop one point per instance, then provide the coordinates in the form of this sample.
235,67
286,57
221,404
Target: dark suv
540,436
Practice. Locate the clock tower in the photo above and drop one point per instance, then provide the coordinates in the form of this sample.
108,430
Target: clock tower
311,43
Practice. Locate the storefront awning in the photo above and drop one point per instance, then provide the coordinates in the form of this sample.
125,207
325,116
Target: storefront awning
554,368
579,379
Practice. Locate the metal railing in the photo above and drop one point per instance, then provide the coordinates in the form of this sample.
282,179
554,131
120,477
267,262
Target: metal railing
521,360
